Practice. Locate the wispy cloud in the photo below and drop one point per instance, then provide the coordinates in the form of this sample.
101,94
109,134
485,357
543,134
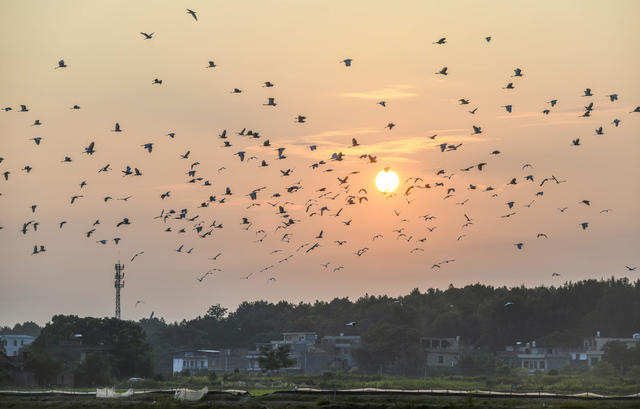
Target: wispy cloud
391,91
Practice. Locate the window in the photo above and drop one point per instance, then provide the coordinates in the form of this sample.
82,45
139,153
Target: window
541,364
15,342
202,364
440,359
525,364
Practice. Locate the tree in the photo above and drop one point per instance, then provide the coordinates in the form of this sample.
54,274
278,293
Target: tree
94,371
273,359
391,327
124,343
282,352
217,312
617,354
45,368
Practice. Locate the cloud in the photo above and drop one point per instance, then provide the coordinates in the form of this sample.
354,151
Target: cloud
391,91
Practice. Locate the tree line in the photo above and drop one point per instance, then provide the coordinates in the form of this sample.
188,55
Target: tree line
486,318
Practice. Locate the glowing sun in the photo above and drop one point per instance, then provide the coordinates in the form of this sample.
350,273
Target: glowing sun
387,180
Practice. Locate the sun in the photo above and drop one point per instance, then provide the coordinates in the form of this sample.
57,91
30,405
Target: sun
387,180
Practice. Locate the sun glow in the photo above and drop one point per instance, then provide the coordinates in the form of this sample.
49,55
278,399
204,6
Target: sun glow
387,180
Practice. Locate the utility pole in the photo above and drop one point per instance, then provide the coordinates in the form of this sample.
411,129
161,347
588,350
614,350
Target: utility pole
119,283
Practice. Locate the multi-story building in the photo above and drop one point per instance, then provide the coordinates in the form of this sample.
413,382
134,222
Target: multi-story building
441,352
13,343
308,355
594,347
343,347
533,358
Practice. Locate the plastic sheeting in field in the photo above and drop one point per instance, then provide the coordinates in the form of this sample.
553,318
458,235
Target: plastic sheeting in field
190,395
111,393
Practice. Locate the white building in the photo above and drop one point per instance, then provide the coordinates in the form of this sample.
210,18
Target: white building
193,360
594,347
13,343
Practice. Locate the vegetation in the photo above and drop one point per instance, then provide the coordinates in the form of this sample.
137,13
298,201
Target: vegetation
274,359
327,400
391,329
513,381
123,350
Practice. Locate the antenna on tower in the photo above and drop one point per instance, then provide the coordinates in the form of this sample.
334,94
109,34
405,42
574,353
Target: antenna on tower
119,283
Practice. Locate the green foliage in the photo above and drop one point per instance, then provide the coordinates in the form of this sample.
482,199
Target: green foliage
94,371
622,358
26,328
273,359
127,354
44,367
216,312
604,368
391,327
474,363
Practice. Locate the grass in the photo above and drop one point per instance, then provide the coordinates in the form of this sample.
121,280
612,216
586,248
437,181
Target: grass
327,400
259,385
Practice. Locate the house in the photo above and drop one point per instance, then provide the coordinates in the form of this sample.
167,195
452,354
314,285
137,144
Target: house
343,347
12,371
13,343
71,353
308,355
197,360
212,360
594,347
441,352
534,358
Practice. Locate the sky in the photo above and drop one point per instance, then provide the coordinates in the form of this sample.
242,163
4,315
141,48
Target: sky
562,48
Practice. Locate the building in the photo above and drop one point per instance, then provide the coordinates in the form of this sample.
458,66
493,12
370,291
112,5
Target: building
343,347
13,343
197,360
441,352
12,370
533,358
594,347
71,353
213,360
307,358
308,355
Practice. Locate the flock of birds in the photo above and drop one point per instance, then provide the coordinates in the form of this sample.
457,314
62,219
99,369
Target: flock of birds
334,199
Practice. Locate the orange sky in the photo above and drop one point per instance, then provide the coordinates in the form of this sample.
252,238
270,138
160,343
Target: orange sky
562,48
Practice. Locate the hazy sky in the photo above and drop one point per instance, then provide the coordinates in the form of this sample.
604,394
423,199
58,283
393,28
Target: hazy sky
562,48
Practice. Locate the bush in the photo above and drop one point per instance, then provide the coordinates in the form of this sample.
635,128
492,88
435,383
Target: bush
553,372
604,368
634,373
213,377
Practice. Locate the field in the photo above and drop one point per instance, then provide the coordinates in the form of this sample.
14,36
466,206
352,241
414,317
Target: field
316,400
564,383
